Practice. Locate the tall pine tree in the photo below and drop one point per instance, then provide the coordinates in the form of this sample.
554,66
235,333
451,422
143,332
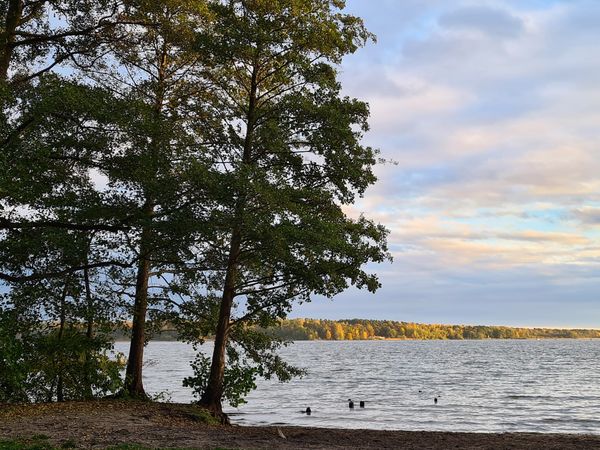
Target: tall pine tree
291,161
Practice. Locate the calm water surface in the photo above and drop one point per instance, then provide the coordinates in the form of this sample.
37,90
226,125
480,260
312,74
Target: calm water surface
482,386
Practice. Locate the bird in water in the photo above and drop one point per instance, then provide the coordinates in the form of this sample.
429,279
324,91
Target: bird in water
362,404
435,400
308,411
350,403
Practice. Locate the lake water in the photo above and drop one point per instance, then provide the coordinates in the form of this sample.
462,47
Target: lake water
481,386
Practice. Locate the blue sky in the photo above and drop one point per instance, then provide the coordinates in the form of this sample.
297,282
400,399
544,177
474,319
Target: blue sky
491,110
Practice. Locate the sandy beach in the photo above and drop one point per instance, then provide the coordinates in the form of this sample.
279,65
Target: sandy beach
101,424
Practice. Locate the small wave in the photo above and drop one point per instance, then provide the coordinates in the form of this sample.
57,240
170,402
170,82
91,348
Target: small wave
474,363
527,397
511,424
570,420
579,397
556,419
554,398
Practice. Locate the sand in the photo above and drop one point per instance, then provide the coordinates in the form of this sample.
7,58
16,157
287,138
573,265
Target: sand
101,424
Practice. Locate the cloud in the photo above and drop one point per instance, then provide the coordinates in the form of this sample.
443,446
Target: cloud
485,20
541,237
414,98
588,216
489,110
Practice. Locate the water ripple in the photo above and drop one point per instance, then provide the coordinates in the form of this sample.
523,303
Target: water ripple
481,386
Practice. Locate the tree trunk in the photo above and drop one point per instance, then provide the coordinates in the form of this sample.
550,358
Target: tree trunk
211,398
89,334
133,377
7,39
134,385
60,395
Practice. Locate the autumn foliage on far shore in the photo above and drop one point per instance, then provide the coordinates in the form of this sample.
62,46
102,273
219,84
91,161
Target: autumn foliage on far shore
359,329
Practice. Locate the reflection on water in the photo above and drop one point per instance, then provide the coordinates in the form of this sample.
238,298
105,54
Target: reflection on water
500,386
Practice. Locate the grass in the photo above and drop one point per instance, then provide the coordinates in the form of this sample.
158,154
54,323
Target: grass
40,442
37,442
139,447
201,415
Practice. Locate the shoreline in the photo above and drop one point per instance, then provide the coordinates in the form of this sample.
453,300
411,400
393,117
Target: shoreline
105,423
405,339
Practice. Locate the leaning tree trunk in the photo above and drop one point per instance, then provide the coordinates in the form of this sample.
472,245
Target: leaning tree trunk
89,334
212,396
134,386
60,393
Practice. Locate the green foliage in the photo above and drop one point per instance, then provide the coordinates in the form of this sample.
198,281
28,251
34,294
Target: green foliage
47,349
357,329
250,354
81,365
239,378
47,362
12,362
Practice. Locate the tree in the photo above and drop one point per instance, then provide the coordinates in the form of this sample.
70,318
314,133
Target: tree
61,329
156,165
37,36
115,151
41,109
51,216
290,161
49,124
338,332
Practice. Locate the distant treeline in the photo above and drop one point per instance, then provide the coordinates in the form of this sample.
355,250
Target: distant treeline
358,329
361,329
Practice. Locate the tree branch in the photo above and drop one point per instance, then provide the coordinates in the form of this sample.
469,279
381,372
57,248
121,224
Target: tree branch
60,273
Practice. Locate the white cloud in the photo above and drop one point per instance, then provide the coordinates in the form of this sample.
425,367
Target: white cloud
494,22
489,109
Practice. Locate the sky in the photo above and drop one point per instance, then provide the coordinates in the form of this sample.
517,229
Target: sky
490,111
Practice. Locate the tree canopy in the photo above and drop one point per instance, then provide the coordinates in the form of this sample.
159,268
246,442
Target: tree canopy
181,161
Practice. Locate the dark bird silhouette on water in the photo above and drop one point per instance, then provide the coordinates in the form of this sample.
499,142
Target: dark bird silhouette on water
308,411
350,403
362,404
435,400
